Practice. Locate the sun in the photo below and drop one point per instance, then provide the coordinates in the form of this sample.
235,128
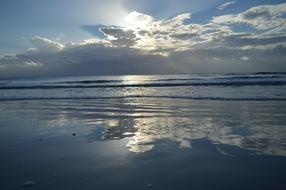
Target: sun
137,20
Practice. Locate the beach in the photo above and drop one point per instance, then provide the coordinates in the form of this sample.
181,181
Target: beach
149,132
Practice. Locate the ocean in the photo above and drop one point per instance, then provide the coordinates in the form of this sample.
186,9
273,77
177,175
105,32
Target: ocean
194,86
193,131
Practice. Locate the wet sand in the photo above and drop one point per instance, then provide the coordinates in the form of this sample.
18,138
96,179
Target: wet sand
142,143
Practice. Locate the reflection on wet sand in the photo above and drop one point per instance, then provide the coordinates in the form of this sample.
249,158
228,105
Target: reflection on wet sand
247,126
144,133
144,122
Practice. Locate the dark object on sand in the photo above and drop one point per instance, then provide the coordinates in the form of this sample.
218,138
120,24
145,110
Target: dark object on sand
28,184
149,185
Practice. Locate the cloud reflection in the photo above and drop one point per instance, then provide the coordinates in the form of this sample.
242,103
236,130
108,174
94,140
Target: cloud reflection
248,128
144,123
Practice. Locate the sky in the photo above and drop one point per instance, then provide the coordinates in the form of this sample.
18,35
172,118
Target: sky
113,37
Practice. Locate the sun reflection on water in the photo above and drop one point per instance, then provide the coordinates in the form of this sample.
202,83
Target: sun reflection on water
134,79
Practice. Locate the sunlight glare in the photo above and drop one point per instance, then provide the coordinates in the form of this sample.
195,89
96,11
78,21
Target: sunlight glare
138,20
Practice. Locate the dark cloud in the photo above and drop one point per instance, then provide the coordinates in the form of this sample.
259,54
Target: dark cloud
94,30
93,59
184,36
231,60
89,59
120,36
256,14
238,40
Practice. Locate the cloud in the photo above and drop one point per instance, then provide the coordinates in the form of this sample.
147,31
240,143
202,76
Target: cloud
160,36
84,59
225,5
100,59
119,36
146,45
94,30
263,17
45,45
138,19
32,63
225,59
246,40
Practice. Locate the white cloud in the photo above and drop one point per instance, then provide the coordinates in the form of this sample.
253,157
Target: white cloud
45,45
159,36
33,63
225,5
263,17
